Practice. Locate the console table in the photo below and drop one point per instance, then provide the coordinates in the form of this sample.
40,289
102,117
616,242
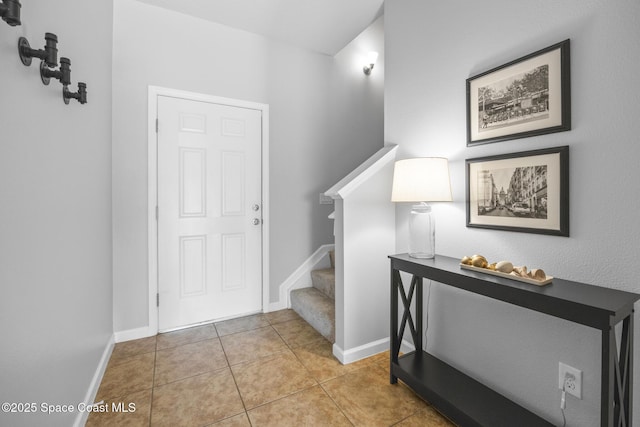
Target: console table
466,401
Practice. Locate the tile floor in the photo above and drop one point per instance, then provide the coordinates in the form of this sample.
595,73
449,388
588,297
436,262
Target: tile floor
264,370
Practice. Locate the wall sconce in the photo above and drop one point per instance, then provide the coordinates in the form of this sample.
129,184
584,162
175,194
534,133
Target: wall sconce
80,95
10,12
371,61
49,54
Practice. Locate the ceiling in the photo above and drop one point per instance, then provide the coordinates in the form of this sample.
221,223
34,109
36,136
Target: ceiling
324,26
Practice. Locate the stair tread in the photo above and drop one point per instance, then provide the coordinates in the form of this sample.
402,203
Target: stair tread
316,308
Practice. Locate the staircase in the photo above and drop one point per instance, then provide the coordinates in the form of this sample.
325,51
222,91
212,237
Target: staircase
316,304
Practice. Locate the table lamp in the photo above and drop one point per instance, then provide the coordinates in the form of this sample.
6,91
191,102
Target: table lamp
421,180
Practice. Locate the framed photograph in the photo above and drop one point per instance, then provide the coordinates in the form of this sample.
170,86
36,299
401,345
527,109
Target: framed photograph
526,97
526,192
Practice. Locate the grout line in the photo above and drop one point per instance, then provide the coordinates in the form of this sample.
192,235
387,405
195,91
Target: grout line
153,381
234,379
284,397
337,406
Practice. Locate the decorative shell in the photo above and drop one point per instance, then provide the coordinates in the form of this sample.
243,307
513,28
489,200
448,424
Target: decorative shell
504,267
537,274
520,271
479,261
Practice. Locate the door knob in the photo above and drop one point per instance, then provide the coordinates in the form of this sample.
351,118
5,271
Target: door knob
256,221
255,207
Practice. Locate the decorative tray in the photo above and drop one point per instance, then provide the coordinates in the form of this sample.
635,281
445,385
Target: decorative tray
508,276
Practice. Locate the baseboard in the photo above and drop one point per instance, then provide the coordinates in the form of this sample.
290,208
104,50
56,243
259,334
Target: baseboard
367,350
134,334
276,306
361,352
301,278
81,418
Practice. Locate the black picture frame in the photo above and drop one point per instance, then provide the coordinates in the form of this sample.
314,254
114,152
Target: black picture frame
525,97
536,197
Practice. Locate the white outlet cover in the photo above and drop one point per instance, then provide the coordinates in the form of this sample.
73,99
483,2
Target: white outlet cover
577,373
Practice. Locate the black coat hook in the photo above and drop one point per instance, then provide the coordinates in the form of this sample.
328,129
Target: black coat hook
49,54
10,12
80,95
63,74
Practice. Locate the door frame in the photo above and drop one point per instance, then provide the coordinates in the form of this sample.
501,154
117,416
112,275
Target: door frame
152,256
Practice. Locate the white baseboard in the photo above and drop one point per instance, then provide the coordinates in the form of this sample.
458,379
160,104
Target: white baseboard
367,350
134,334
301,278
276,306
361,352
81,418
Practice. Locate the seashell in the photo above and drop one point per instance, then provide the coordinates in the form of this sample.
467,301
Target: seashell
492,266
521,271
504,267
537,274
466,260
479,261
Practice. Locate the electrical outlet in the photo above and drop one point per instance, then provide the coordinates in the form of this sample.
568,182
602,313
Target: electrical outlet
570,379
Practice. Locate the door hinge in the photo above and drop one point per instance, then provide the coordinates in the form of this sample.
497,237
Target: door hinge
158,300
156,125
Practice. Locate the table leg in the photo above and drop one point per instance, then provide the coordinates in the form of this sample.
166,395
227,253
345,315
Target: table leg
395,345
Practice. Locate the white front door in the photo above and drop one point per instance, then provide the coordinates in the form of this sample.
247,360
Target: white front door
209,212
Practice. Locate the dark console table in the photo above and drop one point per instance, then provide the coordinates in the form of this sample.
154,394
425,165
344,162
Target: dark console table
466,401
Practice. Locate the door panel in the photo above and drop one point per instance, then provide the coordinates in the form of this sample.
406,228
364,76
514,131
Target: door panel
209,237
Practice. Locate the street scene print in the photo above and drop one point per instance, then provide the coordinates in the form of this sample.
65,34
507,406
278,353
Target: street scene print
513,192
518,99
522,98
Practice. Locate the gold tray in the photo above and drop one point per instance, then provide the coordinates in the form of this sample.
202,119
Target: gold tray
508,276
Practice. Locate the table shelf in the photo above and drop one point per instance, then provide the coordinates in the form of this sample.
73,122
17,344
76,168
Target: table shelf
452,391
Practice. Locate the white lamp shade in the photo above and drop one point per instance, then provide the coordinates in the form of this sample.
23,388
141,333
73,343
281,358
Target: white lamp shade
423,179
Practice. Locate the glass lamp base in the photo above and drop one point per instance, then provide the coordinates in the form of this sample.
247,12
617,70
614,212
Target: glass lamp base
422,232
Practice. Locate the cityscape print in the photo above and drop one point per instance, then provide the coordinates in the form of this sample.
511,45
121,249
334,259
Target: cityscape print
513,192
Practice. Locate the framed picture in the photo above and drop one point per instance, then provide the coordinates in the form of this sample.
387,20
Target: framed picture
526,97
526,192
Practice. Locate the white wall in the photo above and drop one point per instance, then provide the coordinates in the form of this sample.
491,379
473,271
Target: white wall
356,109
181,52
431,48
55,211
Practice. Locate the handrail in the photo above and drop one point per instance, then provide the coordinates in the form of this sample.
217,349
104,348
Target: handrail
360,174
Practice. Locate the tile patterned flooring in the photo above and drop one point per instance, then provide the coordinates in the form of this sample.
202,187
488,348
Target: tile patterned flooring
269,369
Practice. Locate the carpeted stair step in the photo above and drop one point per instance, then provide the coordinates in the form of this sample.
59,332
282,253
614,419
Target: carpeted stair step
325,281
317,309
